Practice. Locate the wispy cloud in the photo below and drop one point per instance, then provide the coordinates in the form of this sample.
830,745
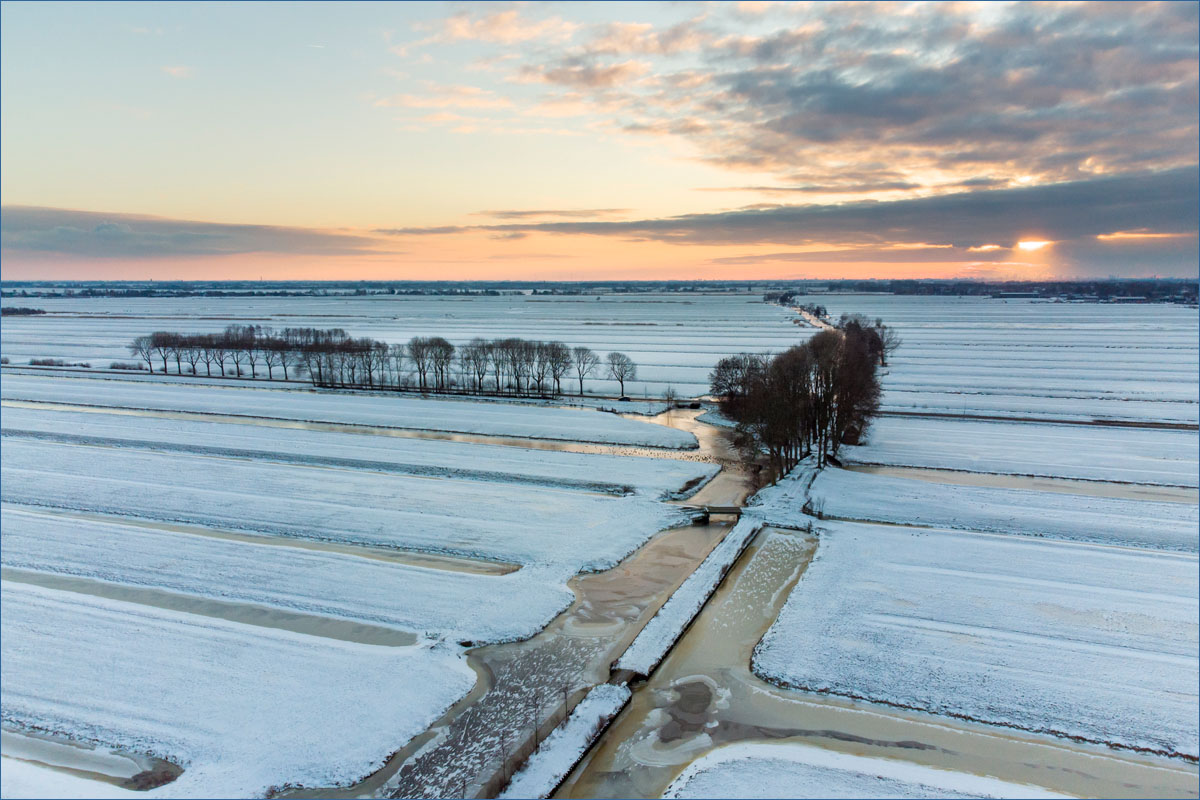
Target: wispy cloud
178,71
930,98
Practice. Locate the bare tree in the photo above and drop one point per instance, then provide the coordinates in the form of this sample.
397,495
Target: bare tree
142,348
539,364
621,368
498,354
474,362
205,346
220,350
162,343
419,354
441,357
559,356
193,350
890,339
397,354
670,397
586,362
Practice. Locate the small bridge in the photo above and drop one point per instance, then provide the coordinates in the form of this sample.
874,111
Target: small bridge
704,512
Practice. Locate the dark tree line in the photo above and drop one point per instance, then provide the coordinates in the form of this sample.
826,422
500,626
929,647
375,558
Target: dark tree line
331,357
809,399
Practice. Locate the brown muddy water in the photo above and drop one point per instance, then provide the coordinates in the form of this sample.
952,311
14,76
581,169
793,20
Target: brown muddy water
735,482
116,767
528,684
704,695
1123,491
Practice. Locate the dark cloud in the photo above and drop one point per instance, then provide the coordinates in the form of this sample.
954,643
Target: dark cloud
1059,92
1071,214
84,233
1165,202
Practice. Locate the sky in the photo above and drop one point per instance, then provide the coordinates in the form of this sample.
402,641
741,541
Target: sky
598,141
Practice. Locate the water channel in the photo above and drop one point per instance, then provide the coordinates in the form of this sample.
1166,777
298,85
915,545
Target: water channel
704,695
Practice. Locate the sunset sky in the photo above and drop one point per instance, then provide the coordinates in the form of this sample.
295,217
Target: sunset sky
598,141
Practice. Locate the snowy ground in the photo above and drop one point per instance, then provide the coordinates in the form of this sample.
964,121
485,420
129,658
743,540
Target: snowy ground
570,530
790,770
675,339
114,672
1084,640
1027,358
1010,406
206,680
455,416
647,407
425,601
410,456
1128,455
862,496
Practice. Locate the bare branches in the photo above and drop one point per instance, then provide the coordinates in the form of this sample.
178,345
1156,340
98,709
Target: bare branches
621,368
585,364
809,399
333,358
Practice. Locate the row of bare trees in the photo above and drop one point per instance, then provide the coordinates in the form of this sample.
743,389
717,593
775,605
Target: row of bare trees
331,357
809,399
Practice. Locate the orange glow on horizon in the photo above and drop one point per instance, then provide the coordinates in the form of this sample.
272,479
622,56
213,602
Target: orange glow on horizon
1139,234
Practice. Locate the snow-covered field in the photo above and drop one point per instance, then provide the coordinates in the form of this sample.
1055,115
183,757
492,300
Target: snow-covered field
595,472
428,602
1084,640
241,708
1137,523
452,416
570,530
1029,358
1127,455
776,770
235,528
675,339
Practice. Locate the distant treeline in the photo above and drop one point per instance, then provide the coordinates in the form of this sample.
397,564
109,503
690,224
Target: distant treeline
19,311
331,357
1155,290
1158,290
809,399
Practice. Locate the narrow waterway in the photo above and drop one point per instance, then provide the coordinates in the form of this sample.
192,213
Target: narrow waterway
531,685
1124,491
527,684
705,695
116,767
